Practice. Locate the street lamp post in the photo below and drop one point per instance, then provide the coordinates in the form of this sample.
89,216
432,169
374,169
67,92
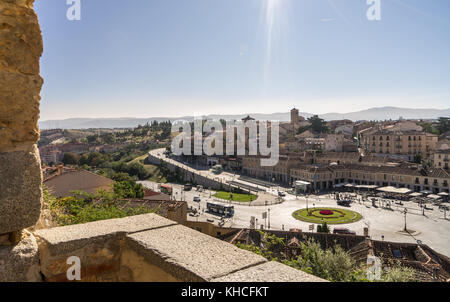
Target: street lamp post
269,220
404,212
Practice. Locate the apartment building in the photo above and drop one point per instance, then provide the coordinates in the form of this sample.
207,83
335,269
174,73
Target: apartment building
401,176
251,166
405,144
440,159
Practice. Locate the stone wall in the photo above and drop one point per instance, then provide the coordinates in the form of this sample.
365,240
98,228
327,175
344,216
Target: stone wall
189,176
20,85
149,248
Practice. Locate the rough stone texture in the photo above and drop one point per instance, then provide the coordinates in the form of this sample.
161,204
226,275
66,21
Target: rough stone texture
20,190
98,244
149,248
99,257
136,268
20,263
269,272
190,255
69,238
20,83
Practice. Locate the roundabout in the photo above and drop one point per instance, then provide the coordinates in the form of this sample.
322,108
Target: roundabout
328,215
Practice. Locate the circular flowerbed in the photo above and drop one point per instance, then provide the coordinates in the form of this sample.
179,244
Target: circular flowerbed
326,212
328,215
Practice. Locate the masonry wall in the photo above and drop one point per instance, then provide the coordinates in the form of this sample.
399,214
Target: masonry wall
20,85
189,176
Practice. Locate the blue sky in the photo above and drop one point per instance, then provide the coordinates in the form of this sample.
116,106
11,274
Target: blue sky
144,58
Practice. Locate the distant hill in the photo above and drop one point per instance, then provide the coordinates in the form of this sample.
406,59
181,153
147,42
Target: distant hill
382,113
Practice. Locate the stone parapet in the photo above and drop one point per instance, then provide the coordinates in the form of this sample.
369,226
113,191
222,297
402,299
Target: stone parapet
151,248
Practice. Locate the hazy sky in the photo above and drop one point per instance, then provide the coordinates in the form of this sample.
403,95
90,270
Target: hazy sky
144,58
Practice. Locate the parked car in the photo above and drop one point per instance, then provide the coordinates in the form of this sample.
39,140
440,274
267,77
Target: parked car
345,203
197,199
281,194
344,231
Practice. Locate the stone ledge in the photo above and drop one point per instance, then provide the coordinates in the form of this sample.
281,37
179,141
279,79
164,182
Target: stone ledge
70,238
190,255
269,272
152,248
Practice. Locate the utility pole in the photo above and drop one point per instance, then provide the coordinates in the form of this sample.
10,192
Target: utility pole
269,220
406,211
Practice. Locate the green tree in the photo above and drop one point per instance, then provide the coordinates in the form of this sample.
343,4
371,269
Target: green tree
70,158
121,176
332,265
323,228
443,124
128,189
318,125
418,158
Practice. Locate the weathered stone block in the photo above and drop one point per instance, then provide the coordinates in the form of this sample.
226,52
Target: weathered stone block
73,237
20,37
98,245
269,272
20,83
20,190
189,255
20,263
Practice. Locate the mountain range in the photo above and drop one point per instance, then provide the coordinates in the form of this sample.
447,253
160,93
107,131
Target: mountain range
381,113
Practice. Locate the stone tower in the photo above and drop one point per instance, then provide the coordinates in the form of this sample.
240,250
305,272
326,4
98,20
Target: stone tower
295,116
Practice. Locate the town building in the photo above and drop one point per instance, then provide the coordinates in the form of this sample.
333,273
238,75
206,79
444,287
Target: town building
62,184
440,159
404,140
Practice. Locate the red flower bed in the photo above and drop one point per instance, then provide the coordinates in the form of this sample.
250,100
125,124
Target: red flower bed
326,212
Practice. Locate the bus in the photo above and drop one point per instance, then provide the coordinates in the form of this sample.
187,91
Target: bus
166,189
221,210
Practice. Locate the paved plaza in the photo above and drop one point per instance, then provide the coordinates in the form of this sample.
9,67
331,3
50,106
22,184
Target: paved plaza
431,229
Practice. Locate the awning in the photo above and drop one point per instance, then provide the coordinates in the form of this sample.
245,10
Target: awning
395,190
415,194
366,186
349,186
341,185
432,196
443,194
302,183
426,192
